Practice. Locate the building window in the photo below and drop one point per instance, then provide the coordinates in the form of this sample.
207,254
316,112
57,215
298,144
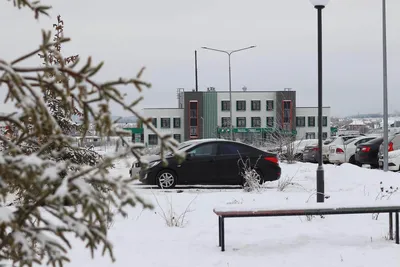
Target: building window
287,108
225,105
241,105
311,121
193,130
310,135
301,121
270,121
154,122
324,121
165,123
177,137
255,122
324,135
270,105
241,122
225,121
193,119
255,105
153,139
177,122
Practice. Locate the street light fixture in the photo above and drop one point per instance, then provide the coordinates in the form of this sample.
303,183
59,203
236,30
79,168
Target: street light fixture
229,53
319,5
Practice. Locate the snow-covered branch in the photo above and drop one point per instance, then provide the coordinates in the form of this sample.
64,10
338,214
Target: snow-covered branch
62,188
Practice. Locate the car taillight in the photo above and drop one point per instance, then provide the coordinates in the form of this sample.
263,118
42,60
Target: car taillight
365,149
315,149
390,146
272,159
339,150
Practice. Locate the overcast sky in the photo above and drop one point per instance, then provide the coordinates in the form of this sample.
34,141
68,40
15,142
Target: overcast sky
163,35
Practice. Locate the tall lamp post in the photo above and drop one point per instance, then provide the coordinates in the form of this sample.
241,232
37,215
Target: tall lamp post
229,53
202,133
319,5
385,96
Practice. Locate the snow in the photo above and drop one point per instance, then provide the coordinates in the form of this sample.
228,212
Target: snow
6,214
144,239
20,239
357,122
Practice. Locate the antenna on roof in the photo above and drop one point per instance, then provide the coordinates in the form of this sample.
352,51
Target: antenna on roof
244,88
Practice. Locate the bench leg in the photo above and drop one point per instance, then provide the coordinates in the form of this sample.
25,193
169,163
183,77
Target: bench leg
391,225
222,234
397,228
219,230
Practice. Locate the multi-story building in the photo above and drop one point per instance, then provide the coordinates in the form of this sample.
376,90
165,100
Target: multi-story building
307,122
166,120
256,115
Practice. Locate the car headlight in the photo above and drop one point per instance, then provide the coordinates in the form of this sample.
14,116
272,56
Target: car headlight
154,163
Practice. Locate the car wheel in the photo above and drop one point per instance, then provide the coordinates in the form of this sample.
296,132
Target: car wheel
166,179
353,161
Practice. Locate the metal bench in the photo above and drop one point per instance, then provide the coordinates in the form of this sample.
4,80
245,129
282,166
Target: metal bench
236,211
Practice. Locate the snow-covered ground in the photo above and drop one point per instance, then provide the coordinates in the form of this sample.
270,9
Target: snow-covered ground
143,238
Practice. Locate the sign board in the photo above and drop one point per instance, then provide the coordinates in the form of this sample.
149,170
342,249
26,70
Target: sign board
255,130
134,130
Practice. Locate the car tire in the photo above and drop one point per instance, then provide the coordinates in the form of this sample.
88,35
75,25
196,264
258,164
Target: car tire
353,161
166,179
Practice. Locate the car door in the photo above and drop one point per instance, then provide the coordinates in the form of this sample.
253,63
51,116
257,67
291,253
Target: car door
227,165
199,166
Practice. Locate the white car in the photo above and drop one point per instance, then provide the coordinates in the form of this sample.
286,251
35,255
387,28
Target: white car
334,141
136,166
345,153
393,153
393,160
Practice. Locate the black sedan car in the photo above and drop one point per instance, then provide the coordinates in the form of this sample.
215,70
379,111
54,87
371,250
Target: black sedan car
367,153
211,163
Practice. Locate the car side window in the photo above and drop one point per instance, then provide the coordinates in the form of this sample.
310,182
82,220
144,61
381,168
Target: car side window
233,149
204,150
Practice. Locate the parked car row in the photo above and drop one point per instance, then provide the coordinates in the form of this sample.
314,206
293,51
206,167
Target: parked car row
311,152
356,149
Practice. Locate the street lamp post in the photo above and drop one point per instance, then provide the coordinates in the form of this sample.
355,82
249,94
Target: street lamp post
229,53
202,132
319,5
385,96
